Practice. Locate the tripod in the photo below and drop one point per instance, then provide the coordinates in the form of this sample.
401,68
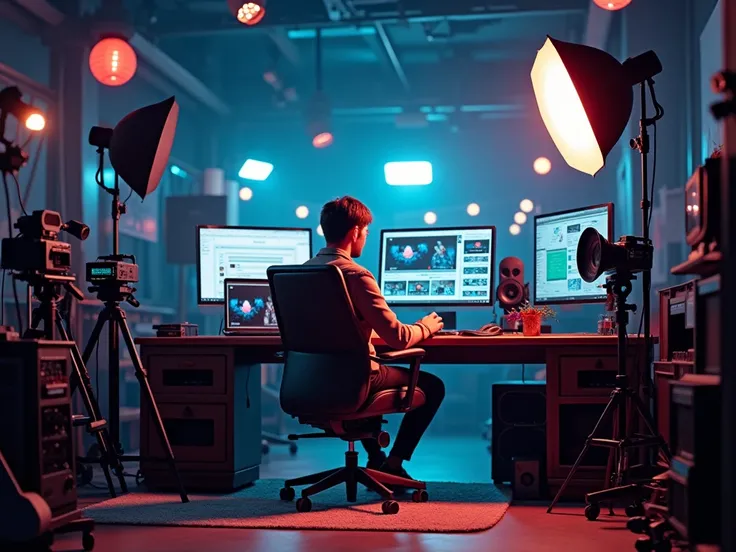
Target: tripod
47,288
619,284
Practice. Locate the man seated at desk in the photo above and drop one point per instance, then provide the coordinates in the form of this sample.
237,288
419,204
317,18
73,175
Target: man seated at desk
345,223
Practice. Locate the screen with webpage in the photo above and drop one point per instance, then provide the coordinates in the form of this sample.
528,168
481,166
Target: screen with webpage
437,266
245,253
556,243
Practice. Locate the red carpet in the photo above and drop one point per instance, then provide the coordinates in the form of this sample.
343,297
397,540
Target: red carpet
453,508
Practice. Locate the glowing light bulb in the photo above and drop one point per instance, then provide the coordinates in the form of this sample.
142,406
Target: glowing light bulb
514,229
612,5
520,218
526,205
245,194
473,209
302,212
430,217
35,122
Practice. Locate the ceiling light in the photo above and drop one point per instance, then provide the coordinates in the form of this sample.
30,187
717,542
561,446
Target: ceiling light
612,5
408,173
430,217
302,212
542,165
255,170
245,193
248,13
514,229
112,61
520,217
473,209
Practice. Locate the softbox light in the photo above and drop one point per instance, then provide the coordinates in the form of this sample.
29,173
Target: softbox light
585,97
141,144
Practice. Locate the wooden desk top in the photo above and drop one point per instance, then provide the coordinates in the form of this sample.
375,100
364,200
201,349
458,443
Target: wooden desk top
508,340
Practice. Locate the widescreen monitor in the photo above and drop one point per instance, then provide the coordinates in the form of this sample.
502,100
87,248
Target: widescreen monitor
438,266
556,236
244,252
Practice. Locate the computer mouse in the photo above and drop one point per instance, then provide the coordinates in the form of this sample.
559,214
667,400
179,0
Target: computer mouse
491,329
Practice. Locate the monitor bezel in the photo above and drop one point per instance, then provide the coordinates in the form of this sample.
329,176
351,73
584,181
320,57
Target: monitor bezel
245,281
492,295
609,238
201,227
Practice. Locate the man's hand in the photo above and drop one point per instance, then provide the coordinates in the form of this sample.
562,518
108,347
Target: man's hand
433,322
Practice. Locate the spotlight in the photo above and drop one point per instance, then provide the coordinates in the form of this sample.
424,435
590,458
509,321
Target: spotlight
473,209
526,205
408,173
302,212
248,13
319,121
245,193
520,217
585,97
612,5
542,165
322,140
255,170
113,61
11,102
514,229
430,217
597,255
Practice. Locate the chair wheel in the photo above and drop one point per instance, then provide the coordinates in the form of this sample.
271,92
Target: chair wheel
287,494
303,504
293,449
384,439
644,544
638,524
390,507
634,510
592,511
88,541
420,495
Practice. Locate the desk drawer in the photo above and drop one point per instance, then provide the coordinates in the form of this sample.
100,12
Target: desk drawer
197,432
587,376
188,375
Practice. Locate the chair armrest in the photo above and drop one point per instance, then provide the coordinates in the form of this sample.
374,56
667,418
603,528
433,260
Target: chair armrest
414,357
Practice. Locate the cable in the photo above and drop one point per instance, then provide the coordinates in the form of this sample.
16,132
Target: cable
20,195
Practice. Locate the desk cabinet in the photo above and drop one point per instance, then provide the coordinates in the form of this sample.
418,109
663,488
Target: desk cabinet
211,406
579,384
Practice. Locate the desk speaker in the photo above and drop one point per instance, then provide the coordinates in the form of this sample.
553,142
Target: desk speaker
511,292
518,427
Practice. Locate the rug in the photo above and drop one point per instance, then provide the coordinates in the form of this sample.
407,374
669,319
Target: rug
452,508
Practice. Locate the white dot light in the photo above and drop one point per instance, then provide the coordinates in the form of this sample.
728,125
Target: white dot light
520,218
514,229
302,212
245,194
526,205
542,165
473,209
430,217
320,231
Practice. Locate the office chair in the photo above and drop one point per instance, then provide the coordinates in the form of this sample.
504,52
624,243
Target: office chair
327,368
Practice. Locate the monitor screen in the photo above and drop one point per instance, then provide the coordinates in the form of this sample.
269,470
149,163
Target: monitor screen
556,276
239,252
438,266
248,305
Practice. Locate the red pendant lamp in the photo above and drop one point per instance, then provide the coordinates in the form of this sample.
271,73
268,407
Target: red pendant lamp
113,61
612,5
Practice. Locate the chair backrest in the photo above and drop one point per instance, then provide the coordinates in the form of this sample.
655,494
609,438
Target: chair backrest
327,365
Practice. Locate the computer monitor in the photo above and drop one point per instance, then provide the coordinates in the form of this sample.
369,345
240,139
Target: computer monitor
556,235
244,252
438,266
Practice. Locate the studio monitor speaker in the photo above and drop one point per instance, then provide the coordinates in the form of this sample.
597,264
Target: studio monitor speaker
512,292
183,215
518,427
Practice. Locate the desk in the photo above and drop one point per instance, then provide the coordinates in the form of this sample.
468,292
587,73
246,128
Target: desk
579,369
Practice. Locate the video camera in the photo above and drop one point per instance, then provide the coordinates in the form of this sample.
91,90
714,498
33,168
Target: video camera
597,255
38,248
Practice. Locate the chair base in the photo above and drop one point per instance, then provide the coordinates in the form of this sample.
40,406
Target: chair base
351,475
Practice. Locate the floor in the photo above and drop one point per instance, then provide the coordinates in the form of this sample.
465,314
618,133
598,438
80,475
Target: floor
524,527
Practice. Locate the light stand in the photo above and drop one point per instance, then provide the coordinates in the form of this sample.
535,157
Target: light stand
623,396
112,294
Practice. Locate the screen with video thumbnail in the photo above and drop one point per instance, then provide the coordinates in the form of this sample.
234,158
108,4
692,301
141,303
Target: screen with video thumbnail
238,252
249,305
438,266
556,236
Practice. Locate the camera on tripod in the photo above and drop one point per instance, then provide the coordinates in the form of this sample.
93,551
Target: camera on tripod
596,255
38,247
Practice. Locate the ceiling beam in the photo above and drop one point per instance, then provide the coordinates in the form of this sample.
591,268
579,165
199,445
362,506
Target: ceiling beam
183,24
597,27
149,53
393,57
